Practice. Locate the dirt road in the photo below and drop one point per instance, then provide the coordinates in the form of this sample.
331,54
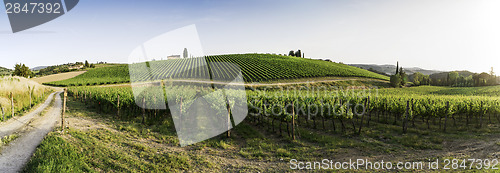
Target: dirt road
31,129
241,84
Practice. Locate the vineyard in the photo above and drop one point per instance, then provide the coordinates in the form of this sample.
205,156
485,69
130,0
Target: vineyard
341,111
254,68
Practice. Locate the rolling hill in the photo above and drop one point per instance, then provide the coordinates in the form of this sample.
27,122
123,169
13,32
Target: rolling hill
254,67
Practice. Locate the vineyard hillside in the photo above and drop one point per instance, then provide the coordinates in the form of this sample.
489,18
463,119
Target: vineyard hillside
254,67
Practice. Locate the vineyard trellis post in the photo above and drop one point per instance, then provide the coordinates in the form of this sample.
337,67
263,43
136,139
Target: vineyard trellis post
363,116
293,121
155,110
12,104
29,90
118,106
228,107
368,112
481,116
405,122
144,110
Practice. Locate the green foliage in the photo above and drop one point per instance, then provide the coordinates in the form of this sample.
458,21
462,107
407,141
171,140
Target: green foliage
298,54
5,71
98,76
185,53
453,78
396,81
61,68
56,155
403,77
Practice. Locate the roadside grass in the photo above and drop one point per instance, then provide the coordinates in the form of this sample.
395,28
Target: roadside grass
7,139
116,145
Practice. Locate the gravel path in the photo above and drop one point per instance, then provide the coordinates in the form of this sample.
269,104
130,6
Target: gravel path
242,84
16,154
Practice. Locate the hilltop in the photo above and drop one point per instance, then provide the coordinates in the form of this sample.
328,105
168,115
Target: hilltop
391,69
254,67
5,71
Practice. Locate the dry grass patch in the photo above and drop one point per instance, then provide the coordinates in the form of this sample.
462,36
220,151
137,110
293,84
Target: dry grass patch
58,77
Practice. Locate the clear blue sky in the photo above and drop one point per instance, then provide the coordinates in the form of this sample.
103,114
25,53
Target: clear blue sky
432,34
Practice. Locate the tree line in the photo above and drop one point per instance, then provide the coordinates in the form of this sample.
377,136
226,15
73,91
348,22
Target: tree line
452,79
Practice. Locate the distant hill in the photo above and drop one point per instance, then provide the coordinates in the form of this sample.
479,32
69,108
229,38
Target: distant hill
444,75
5,71
38,68
391,69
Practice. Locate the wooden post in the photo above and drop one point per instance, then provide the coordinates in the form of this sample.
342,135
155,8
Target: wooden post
118,106
293,121
368,112
64,108
481,118
12,103
143,110
29,89
363,116
156,110
446,115
3,114
180,115
406,116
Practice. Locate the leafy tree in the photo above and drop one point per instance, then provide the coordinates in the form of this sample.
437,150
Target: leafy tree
291,53
396,81
492,80
453,78
418,78
86,64
298,53
426,80
92,66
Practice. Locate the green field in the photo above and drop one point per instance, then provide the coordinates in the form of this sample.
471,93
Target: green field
422,101
254,67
